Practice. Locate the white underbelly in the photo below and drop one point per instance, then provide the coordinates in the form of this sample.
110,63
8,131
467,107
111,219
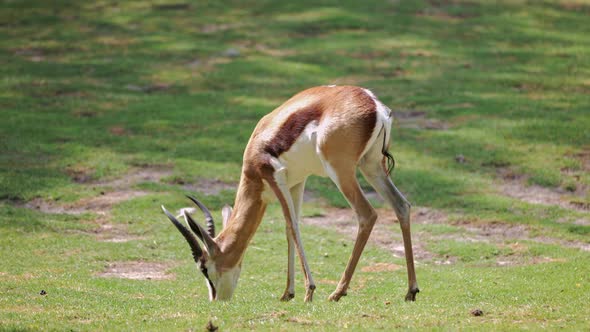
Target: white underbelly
302,159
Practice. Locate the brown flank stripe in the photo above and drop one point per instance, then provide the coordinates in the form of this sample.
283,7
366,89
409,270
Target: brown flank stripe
291,129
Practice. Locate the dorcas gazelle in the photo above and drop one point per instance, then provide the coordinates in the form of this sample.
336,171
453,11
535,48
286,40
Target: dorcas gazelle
327,131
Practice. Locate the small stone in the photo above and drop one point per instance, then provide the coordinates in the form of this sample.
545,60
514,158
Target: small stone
133,87
210,327
460,158
232,52
477,312
195,63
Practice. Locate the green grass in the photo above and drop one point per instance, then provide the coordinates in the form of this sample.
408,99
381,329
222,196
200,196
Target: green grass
93,91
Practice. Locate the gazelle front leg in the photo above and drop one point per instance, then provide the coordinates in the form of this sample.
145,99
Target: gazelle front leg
289,292
297,194
278,182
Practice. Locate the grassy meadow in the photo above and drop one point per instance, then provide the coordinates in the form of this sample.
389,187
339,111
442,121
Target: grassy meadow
111,108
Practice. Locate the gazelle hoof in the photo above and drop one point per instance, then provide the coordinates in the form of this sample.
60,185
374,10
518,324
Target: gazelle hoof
335,297
287,297
309,294
411,296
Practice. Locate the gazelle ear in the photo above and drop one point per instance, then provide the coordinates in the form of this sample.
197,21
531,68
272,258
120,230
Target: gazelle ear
225,214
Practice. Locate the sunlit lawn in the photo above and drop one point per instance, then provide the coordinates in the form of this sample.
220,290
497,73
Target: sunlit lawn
486,94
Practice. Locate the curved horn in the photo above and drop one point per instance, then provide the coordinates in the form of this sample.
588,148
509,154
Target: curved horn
192,241
208,217
201,233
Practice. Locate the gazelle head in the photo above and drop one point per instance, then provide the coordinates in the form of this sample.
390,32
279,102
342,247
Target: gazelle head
221,281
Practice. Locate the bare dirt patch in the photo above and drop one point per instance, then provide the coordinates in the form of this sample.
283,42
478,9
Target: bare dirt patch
138,271
299,320
518,260
274,52
418,120
424,215
568,244
536,194
575,221
209,186
112,192
494,231
114,233
144,174
109,232
381,267
442,10
440,15
514,186
584,158
386,235
500,232
577,6
79,174
100,204
214,28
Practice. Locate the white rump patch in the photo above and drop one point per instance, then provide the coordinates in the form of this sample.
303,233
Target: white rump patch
371,94
384,120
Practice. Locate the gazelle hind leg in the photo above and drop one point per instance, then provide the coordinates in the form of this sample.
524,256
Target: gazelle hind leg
345,179
297,194
374,173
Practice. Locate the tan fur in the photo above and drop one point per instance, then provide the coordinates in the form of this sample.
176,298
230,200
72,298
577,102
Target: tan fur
352,116
345,121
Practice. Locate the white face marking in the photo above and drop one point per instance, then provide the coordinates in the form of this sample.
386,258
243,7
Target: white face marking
224,283
227,282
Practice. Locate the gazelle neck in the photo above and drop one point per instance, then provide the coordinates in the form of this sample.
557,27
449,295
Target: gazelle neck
247,214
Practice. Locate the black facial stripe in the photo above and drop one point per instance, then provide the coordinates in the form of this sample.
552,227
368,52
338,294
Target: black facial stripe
204,271
212,288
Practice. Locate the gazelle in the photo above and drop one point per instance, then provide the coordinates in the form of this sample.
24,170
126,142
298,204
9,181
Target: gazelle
327,131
